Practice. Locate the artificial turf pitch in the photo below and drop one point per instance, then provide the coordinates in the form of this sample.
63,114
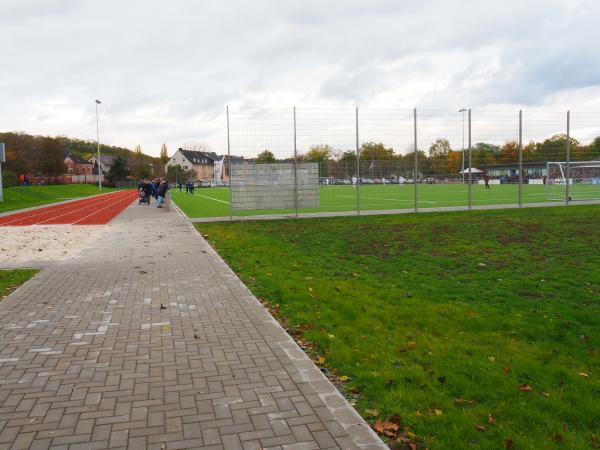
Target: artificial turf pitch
214,202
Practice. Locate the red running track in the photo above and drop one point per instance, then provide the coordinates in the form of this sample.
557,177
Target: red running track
96,210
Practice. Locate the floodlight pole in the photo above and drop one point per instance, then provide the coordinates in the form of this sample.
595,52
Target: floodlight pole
470,165
520,158
416,166
568,177
98,145
357,168
462,110
296,166
2,157
229,164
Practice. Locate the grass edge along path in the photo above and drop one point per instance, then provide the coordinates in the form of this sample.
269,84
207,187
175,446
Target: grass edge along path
16,198
12,279
450,330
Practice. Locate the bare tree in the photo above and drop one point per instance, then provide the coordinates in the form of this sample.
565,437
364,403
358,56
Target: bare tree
197,146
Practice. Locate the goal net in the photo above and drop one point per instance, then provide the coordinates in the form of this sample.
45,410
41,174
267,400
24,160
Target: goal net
582,177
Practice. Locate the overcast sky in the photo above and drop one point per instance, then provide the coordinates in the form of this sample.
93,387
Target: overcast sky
165,70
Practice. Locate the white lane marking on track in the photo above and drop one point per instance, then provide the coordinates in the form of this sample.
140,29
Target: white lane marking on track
97,211
105,200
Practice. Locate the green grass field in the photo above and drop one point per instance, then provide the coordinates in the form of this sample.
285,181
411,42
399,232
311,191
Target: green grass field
468,329
26,197
12,279
214,202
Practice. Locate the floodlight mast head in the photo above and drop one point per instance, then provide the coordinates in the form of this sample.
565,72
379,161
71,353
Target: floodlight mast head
98,101
462,110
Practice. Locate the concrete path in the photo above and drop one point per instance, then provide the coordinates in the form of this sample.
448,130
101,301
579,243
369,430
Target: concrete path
149,340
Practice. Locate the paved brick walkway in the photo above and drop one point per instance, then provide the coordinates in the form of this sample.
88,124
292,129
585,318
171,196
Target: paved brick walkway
148,340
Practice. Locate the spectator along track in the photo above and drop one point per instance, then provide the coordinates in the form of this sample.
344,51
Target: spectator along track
96,210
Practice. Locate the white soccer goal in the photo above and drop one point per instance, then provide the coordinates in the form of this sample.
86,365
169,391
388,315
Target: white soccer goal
583,178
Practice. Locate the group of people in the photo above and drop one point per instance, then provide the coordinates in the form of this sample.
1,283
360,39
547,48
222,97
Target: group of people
189,187
24,179
154,188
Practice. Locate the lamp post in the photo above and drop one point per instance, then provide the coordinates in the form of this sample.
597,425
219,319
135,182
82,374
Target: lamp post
153,169
98,145
463,110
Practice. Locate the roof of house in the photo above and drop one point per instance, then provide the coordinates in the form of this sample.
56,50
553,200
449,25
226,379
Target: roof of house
107,160
196,157
76,159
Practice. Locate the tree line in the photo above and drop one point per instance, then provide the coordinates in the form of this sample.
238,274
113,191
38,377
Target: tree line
440,158
45,155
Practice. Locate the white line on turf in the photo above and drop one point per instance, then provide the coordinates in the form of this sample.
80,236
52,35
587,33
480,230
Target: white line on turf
210,198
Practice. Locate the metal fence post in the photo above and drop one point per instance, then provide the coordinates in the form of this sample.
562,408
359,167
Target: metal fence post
416,168
520,158
357,168
229,168
296,166
568,174
470,201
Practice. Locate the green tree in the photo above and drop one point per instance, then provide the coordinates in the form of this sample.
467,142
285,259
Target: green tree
164,157
175,173
371,151
118,171
347,163
190,175
50,156
140,170
266,156
438,157
594,149
319,154
440,148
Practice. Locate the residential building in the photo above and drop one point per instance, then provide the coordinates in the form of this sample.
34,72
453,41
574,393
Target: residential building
106,162
203,163
77,165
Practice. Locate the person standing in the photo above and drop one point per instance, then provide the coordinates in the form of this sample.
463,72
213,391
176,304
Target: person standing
162,192
148,191
486,179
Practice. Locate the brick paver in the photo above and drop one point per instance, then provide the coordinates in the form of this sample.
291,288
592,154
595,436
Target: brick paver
149,340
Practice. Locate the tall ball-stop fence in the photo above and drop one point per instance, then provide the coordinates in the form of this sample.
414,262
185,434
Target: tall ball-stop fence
292,161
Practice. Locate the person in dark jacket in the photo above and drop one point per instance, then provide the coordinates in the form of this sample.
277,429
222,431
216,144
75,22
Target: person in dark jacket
148,190
162,192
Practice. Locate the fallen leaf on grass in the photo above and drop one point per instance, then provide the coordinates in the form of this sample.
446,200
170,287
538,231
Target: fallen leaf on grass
525,388
559,438
387,428
583,374
371,412
344,378
491,358
321,360
491,420
508,444
595,443
593,353
480,428
411,345
506,369
438,412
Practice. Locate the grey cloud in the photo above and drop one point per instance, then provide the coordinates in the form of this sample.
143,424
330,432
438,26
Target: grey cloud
166,70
